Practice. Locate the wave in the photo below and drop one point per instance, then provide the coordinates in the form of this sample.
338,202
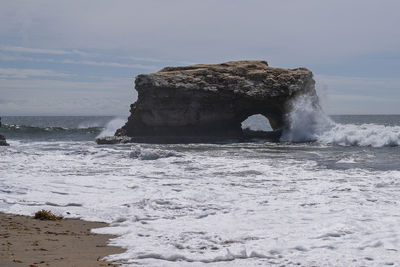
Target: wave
307,122
361,135
83,131
150,154
23,129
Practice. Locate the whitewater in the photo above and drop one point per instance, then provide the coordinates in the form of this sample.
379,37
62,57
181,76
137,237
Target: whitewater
325,195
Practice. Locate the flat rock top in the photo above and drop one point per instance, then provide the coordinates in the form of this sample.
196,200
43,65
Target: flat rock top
231,66
251,77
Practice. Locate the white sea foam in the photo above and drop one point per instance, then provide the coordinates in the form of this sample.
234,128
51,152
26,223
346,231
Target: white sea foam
246,204
231,205
89,124
361,135
111,127
307,122
150,154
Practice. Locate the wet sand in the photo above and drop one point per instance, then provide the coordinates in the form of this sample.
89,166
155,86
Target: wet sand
25,241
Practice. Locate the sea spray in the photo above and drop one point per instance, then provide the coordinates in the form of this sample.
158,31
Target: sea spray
306,120
111,127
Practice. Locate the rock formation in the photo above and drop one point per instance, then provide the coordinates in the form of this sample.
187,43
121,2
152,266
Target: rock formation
3,141
207,103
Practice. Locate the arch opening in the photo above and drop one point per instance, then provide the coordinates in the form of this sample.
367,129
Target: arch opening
256,122
257,126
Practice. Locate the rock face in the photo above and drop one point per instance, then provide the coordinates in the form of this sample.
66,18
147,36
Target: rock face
3,141
206,103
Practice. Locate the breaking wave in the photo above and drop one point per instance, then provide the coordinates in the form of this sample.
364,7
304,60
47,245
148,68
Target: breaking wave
83,131
361,135
150,154
307,122
34,130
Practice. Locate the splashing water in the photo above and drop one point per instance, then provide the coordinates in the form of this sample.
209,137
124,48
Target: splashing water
307,122
111,127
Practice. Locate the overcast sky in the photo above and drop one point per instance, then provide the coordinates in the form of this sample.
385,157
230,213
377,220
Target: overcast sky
81,57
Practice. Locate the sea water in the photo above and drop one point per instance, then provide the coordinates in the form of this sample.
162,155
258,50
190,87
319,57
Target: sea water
327,194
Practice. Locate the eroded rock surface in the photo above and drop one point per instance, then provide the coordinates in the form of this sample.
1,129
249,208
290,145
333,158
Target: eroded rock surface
207,103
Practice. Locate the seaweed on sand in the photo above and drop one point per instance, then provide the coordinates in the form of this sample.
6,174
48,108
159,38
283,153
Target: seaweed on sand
46,215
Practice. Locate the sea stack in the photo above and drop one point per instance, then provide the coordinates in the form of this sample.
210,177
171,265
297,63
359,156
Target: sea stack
208,102
3,141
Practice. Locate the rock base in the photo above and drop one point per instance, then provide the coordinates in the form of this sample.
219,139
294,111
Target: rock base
110,140
247,136
3,141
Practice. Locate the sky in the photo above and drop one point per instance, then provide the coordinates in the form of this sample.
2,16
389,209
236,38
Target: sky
81,57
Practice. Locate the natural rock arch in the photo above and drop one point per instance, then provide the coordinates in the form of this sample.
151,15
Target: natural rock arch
207,103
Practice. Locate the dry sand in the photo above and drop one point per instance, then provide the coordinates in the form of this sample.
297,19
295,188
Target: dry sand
25,241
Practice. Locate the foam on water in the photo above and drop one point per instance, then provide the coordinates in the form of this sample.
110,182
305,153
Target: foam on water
150,154
332,202
308,123
231,205
361,135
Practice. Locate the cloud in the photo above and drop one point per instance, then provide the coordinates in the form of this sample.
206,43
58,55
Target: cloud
109,64
106,96
358,80
288,32
68,37
360,95
29,50
159,60
369,85
5,57
21,49
64,104
113,85
25,73
79,62
364,98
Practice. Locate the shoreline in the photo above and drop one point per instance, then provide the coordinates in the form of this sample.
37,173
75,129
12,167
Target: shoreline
25,241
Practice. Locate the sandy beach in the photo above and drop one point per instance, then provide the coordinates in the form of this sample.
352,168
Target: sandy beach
25,241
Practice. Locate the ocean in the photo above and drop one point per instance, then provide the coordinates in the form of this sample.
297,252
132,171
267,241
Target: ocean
327,194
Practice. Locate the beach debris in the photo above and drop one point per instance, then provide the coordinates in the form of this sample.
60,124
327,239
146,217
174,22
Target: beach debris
46,215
